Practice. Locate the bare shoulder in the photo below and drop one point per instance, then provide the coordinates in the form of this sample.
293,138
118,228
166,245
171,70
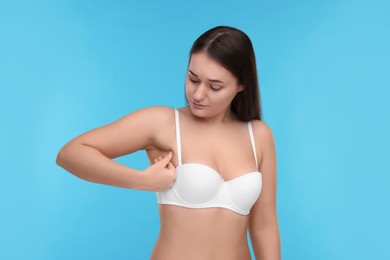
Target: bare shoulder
154,114
264,137
262,131
151,118
155,110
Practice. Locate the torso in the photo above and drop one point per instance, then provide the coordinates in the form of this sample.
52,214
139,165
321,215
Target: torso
210,233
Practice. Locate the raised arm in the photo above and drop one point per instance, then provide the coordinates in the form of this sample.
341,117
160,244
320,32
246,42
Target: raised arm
263,223
89,155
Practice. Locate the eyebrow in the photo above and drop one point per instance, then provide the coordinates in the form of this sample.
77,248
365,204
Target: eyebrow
211,80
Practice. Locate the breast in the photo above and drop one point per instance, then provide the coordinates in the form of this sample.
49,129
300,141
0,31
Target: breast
245,190
197,184
200,186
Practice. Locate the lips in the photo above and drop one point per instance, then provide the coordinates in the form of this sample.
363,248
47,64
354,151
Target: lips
197,104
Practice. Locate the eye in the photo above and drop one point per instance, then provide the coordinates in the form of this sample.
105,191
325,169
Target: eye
215,88
194,81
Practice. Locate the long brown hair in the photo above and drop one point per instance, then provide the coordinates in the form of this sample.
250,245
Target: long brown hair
233,49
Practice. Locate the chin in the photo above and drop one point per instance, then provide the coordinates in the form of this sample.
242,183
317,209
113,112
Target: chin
198,112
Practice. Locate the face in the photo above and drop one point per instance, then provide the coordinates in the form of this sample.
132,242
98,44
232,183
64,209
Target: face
210,88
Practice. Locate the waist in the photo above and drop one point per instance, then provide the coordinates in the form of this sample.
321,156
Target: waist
166,249
211,233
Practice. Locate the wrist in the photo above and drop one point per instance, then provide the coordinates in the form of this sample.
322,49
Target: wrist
140,180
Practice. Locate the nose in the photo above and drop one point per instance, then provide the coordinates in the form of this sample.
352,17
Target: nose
199,93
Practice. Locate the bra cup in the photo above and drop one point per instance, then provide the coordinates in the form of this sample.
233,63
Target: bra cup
245,190
196,184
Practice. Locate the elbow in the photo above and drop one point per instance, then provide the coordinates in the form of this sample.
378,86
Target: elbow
67,154
59,158
63,154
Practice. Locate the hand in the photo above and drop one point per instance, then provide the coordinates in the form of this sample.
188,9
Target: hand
160,175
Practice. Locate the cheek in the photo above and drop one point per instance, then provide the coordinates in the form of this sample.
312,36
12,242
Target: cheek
224,98
189,86
188,89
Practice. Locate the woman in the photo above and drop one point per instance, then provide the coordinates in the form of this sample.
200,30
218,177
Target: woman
214,160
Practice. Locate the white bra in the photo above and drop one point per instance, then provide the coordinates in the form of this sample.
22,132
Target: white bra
200,186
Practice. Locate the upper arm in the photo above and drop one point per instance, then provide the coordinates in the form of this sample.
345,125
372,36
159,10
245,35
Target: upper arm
130,133
263,211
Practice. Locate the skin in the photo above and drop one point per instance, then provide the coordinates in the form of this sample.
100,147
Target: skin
211,135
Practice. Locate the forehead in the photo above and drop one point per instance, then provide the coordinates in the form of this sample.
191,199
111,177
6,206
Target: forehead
206,67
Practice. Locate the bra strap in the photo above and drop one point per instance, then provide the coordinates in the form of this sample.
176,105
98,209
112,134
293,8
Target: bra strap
178,144
252,141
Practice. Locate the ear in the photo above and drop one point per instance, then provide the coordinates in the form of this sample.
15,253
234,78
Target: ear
240,88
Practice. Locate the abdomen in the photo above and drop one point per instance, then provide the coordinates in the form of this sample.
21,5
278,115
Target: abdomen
212,233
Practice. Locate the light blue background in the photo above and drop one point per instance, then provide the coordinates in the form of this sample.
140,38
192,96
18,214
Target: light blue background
69,66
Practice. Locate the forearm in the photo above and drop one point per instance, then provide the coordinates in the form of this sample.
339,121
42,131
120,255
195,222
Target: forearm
89,164
266,243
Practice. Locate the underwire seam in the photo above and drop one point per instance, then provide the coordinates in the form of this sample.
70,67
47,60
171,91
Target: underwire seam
234,205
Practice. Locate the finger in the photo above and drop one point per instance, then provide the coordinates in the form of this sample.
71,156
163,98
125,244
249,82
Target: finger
166,159
170,166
